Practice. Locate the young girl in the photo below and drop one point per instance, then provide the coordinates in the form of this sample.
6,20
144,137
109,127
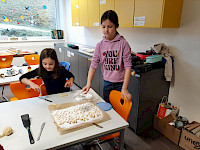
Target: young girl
52,73
114,54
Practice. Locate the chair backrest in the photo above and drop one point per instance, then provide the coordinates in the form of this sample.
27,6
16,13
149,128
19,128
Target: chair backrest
123,109
65,64
5,61
32,59
43,89
20,91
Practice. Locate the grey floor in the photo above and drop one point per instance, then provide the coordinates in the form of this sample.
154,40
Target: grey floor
132,141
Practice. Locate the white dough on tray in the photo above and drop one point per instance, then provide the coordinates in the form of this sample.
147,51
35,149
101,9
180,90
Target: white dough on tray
77,115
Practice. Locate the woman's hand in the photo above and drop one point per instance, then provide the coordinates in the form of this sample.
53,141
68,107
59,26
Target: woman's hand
86,89
35,86
126,94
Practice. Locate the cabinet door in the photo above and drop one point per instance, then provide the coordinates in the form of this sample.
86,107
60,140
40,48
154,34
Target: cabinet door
62,54
148,13
95,82
134,89
83,71
101,82
83,12
93,13
74,67
75,12
125,12
68,56
172,13
106,5
57,51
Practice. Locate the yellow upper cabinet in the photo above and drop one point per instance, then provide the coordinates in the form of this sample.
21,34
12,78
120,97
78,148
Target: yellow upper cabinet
93,13
83,12
125,11
75,12
172,14
131,13
157,13
106,5
79,12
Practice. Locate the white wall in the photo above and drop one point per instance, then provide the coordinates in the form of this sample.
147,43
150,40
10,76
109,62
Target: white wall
184,42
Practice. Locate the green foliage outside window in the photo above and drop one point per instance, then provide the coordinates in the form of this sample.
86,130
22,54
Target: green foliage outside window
36,16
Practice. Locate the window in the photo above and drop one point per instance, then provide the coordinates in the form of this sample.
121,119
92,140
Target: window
27,18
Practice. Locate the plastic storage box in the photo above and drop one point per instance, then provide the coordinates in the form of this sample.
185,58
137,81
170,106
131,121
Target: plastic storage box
153,58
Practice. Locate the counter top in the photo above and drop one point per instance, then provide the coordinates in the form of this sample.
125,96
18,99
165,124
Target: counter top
83,49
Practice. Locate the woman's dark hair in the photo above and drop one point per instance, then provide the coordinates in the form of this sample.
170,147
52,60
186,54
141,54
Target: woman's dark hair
112,16
49,53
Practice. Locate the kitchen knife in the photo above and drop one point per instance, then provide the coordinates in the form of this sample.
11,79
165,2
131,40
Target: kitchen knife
40,131
27,123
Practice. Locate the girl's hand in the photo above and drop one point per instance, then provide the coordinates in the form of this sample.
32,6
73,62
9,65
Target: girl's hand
86,89
68,83
35,87
126,94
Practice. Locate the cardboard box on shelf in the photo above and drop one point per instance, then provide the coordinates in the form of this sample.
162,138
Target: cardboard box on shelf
163,126
189,141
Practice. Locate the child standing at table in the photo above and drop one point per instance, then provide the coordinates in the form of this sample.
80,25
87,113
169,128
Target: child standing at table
114,54
52,73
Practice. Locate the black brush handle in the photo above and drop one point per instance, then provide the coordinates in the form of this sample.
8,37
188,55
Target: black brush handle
47,100
30,136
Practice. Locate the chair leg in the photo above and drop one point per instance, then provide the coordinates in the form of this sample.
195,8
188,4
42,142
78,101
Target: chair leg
121,139
98,144
4,97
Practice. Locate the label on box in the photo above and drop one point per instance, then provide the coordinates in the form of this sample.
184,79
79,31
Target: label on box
189,141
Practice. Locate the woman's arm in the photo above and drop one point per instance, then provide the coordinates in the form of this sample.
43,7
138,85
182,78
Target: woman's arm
124,90
89,80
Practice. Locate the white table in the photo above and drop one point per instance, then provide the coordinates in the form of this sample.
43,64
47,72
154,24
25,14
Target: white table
38,111
8,80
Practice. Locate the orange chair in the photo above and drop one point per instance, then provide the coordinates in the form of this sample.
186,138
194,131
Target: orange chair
5,61
21,91
43,90
122,107
32,59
